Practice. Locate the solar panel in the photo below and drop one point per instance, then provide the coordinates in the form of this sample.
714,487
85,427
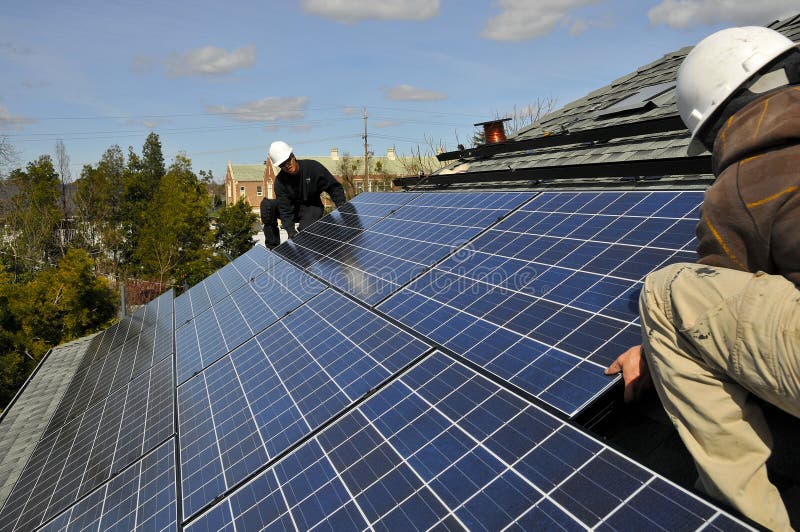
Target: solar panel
250,406
547,298
443,447
223,282
142,497
237,318
343,224
372,262
306,403
91,448
147,340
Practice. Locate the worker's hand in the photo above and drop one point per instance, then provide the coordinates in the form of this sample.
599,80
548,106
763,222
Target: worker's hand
634,372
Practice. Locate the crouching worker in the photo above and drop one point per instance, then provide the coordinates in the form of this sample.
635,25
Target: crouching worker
729,326
298,186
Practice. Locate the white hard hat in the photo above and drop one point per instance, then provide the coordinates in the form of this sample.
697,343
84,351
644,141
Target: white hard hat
279,153
717,67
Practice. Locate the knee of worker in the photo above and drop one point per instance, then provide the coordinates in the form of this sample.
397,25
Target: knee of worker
269,211
657,290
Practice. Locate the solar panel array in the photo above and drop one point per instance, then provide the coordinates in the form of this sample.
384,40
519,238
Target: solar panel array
402,362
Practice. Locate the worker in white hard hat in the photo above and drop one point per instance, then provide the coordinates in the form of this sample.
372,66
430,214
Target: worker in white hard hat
298,186
715,332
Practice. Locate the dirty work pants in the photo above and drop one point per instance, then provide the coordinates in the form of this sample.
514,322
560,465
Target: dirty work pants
711,337
305,214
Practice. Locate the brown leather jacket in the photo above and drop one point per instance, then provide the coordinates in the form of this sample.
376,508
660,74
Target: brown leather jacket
750,218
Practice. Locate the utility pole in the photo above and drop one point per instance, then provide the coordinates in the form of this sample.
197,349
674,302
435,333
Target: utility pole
367,185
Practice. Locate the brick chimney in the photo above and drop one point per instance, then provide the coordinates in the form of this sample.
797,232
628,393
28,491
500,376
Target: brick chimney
391,155
335,154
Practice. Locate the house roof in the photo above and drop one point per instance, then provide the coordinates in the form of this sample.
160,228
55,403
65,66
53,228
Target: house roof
632,119
247,172
25,419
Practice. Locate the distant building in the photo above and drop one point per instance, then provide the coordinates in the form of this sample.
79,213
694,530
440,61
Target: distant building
256,181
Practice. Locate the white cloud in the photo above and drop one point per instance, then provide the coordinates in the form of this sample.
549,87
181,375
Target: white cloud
351,111
266,109
210,61
522,19
381,124
9,121
349,11
686,13
301,128
411,93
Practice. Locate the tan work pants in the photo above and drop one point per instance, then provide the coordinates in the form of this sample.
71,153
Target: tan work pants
711,337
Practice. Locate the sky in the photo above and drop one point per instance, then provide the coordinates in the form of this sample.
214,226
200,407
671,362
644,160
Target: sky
219,81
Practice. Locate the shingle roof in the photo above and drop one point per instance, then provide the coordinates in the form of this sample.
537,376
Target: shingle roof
24,423
586,115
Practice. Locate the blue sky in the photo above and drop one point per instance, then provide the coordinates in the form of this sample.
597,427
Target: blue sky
221,80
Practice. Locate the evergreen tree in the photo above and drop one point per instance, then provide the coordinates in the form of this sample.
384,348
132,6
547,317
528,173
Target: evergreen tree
176,242
32,215
235,229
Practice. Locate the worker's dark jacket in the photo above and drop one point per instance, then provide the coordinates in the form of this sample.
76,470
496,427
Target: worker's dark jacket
750,217
294,192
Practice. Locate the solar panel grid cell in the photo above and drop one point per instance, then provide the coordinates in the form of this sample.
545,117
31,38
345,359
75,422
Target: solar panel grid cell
444,447
233,320
88,450
554,283
142,497
290,379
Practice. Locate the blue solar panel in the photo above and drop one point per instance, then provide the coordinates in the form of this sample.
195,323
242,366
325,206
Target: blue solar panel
88,450
238,317
142,497
373,262
223,282
147,339
343,224
275,389
300,408
547,297
443,447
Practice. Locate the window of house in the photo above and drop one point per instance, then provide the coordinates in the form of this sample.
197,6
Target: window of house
259,192
241,191
269,191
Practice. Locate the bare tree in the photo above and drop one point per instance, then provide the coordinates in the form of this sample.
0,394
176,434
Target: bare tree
347,169
423,160
7,156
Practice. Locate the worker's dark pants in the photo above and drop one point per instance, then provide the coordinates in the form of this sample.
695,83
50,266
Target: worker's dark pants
304,214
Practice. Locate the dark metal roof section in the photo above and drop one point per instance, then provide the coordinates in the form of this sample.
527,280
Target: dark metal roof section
628,130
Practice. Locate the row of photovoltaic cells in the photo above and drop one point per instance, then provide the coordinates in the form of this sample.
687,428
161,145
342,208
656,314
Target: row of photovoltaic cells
238,317
373,262
87,451
444,447
154,320
345,223
547,298
253,404
141,498
148,339
222,283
